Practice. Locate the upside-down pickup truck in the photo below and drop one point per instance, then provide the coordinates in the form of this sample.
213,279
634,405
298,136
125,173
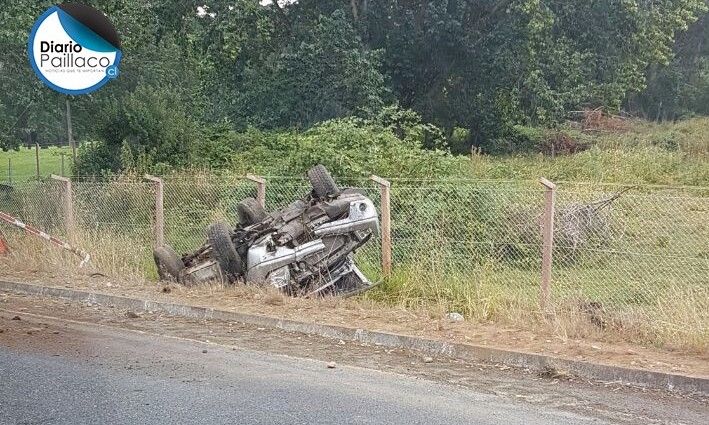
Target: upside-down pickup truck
305,249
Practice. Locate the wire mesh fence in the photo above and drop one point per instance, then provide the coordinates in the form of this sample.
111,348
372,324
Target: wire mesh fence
636,252
463,229
193,204
642,255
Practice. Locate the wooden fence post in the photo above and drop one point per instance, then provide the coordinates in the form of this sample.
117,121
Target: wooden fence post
548,242
159,210
260,188
68,201
385,192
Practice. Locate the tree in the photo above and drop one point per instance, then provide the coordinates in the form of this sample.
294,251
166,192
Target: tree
680,87
319,74
31,112
488,65
484,66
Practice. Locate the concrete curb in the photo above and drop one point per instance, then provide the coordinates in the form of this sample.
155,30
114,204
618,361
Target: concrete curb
537,362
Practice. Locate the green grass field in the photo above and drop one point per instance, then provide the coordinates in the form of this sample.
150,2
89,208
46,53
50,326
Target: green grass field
18,166
640,152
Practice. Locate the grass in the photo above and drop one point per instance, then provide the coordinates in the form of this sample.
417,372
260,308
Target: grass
114,255
24,167
666,315
632,152
463,247
643,152
658,297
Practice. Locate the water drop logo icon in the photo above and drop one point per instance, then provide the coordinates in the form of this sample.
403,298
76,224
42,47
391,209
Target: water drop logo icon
74,49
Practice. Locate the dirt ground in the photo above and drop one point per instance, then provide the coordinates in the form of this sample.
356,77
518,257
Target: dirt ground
356,313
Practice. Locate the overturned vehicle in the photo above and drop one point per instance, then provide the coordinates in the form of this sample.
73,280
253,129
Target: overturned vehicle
305,249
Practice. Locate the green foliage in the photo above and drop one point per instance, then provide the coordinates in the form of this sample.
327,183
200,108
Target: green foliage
678,87
95,159
558,140
24,166
7,138
638,154
28,109
215,147
126,157
490,69
349,147
318,72
487,66
150,123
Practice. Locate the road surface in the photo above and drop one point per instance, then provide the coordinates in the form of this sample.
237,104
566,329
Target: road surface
55,369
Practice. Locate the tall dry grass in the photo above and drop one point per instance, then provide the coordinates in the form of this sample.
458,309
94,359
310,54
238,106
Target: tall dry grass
675,317
111,255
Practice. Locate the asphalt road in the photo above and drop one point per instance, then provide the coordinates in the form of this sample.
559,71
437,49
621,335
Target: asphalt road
72,373
63,362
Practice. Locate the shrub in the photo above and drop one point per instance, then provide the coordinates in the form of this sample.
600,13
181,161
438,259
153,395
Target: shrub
95,159
349,147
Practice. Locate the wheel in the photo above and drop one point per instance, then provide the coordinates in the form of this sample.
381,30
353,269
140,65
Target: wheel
323,184
250,212
219,237
169,264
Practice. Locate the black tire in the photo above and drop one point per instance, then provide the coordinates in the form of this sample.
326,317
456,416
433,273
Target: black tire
219,237
250,212
323,184
169,264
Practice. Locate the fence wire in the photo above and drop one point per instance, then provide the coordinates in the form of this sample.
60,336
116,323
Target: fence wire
193,204
641,250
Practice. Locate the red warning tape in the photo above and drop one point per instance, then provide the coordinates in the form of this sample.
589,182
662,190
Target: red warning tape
4,248
51,239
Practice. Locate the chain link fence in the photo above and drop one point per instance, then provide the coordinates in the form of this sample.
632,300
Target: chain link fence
637,253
